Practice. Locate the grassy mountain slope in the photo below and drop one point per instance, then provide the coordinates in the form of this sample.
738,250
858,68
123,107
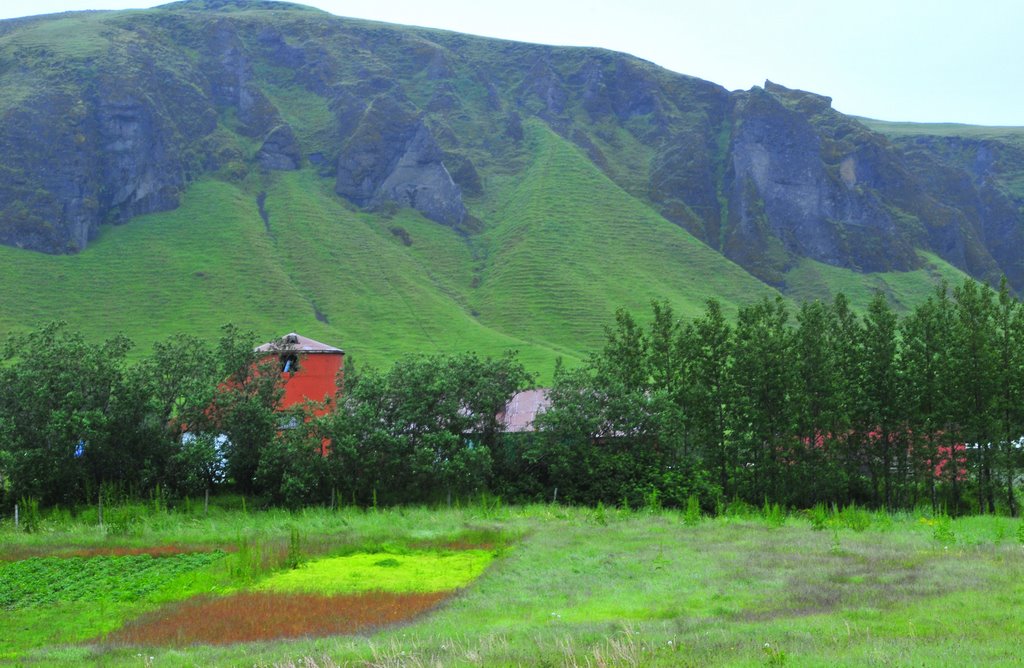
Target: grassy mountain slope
572,246
567,248
812,280
587,178
214,261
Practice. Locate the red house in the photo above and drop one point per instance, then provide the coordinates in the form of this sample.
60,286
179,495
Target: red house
311,370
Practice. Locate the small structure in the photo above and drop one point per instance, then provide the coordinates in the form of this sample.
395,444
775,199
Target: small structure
311,370
522,409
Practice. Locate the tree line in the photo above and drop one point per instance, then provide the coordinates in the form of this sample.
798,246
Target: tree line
821,405
824,406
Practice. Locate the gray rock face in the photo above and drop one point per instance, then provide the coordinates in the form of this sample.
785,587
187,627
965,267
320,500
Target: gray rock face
391,156
140,174
420,180
86,161
543,83
231,81
782,194
280,150
48,187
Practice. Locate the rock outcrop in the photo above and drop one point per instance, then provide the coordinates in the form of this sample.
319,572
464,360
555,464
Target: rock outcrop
280,150
783,196
140,171
391,156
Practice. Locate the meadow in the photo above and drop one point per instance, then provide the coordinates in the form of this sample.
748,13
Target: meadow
485,584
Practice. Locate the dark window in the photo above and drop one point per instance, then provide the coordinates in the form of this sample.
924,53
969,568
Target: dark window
289,363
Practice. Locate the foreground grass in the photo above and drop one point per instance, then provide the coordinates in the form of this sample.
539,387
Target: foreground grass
608,587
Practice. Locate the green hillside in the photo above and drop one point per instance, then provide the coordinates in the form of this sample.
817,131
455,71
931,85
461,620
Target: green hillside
572,246
262,169
810,280
565,250
212,262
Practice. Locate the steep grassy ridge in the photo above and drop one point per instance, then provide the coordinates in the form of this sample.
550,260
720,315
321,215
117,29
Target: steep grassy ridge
572,246
564,248
212,261
812,280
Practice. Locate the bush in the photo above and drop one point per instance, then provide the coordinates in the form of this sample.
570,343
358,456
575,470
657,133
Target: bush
855,518
773,514
692,515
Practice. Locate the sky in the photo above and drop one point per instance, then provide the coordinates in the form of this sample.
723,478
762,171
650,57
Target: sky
931,61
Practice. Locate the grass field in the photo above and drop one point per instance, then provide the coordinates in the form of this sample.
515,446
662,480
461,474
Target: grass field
574,587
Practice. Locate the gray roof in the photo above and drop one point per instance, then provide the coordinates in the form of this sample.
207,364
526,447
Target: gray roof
522,409
297,343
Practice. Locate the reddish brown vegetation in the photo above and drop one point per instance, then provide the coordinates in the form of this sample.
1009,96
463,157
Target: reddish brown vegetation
261,616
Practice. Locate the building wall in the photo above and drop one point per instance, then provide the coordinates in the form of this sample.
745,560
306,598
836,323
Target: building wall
315,379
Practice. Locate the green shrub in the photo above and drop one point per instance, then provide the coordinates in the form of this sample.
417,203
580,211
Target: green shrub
28,511
692,515
819,517
773,514
855,518
652,500
295,556
942,529
599,515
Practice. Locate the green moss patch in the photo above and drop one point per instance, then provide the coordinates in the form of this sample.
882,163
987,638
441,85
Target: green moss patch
381,571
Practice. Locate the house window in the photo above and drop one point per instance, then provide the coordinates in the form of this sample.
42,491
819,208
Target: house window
289,363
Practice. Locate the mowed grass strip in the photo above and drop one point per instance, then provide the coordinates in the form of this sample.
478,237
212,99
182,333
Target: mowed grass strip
381,571
253,616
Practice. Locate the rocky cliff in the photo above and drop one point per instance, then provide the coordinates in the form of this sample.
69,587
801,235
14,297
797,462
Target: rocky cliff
105,116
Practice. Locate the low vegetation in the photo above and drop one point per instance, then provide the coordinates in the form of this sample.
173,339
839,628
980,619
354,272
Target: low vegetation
44,580
383,571
603,585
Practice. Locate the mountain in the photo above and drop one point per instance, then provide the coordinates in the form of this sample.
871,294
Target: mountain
394,189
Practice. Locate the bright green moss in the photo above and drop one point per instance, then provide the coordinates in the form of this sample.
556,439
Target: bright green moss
378,571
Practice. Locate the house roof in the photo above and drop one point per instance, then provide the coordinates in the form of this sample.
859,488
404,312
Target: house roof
297,343
522,409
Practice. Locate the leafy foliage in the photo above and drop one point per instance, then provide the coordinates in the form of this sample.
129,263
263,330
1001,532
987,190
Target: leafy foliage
839,409
423,430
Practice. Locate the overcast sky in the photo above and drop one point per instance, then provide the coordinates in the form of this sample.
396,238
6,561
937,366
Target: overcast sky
925,60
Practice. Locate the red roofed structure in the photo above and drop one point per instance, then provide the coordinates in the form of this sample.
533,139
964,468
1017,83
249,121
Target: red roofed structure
311,370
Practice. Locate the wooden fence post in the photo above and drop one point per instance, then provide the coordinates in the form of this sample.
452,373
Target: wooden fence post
15,516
